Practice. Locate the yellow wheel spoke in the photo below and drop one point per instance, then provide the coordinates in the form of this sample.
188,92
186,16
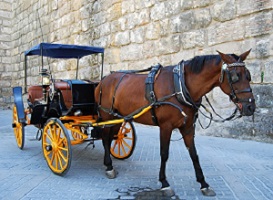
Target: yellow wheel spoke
62,156
128,138
126,144
115,145
61,141
56,161
59,160
48,136
53,133
52,158
122,126
63,149
126,130
47,153
46,144
58,136
118,147
123,149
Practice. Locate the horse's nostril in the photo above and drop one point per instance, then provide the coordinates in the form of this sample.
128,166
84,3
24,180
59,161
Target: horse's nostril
251,108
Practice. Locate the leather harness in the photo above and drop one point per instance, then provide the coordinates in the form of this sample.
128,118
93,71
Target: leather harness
149,89
181,91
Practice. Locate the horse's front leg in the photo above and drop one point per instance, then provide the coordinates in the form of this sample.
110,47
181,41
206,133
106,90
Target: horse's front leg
165,135
106,141
189,142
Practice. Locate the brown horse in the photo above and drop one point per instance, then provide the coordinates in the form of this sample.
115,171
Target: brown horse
123,93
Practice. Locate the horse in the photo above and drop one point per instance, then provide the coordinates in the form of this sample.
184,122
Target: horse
121,93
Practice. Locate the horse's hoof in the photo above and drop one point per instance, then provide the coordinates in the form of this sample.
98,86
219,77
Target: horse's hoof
111,174
167,191
208,192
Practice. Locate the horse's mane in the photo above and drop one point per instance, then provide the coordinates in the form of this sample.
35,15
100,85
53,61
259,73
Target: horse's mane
197,63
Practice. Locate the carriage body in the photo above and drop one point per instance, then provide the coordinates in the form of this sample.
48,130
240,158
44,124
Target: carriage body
63,110
70,98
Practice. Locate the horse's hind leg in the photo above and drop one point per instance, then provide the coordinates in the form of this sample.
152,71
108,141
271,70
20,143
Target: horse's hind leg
189,142
165,135
107,137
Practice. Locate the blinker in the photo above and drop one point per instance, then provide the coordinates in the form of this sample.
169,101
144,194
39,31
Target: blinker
234,76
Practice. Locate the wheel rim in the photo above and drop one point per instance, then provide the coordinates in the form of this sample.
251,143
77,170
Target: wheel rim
124,142
56,147
18,129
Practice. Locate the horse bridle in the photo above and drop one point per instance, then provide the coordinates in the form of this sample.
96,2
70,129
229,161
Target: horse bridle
232,77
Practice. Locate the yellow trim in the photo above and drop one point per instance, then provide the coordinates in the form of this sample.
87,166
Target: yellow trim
74,124
80,119
80,137
119,121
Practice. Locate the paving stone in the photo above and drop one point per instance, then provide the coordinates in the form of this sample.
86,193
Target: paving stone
235,169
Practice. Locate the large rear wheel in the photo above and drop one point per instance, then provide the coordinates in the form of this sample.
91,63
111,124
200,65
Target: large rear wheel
18,129
124,142
56,146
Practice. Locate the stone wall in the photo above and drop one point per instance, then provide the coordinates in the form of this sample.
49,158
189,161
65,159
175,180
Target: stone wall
5,51
139,33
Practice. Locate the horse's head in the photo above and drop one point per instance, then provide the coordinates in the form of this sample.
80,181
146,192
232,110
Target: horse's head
234,81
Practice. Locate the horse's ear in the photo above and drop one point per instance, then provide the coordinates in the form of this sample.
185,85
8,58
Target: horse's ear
244,55
226,58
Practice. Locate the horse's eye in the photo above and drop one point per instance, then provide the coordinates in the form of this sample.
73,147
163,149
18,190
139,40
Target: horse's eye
234,76
248,76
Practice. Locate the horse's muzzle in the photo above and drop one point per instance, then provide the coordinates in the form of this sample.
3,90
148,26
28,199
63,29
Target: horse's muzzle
247,109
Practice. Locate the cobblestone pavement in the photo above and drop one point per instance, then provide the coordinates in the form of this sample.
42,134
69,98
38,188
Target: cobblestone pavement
236,169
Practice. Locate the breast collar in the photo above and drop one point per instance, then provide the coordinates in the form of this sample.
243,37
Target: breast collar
182,93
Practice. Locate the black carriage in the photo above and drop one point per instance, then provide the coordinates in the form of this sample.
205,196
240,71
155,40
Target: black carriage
64,110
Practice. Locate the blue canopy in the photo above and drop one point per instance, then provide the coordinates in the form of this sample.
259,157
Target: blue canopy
63,50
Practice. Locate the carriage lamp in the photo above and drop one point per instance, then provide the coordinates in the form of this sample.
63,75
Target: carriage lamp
45,77
45,81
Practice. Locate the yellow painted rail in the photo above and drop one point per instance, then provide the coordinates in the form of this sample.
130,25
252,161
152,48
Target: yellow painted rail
119,121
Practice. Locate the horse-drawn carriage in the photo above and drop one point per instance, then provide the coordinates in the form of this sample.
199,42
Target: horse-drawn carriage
68,112
64,110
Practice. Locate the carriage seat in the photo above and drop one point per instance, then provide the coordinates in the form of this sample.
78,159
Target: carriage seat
65,89
35,93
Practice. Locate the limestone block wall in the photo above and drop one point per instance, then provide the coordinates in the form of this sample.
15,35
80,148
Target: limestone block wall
5,51
139,33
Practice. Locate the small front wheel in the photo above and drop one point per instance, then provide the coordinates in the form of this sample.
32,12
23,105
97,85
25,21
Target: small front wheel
18,129
56,146
124,142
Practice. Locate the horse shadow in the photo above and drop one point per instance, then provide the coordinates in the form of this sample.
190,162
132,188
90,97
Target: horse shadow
146,193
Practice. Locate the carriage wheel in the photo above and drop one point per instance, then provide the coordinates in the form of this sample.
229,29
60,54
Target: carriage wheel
56,146
124,142
19,129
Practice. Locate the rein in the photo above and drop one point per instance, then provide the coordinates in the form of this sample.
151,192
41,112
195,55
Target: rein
232,117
